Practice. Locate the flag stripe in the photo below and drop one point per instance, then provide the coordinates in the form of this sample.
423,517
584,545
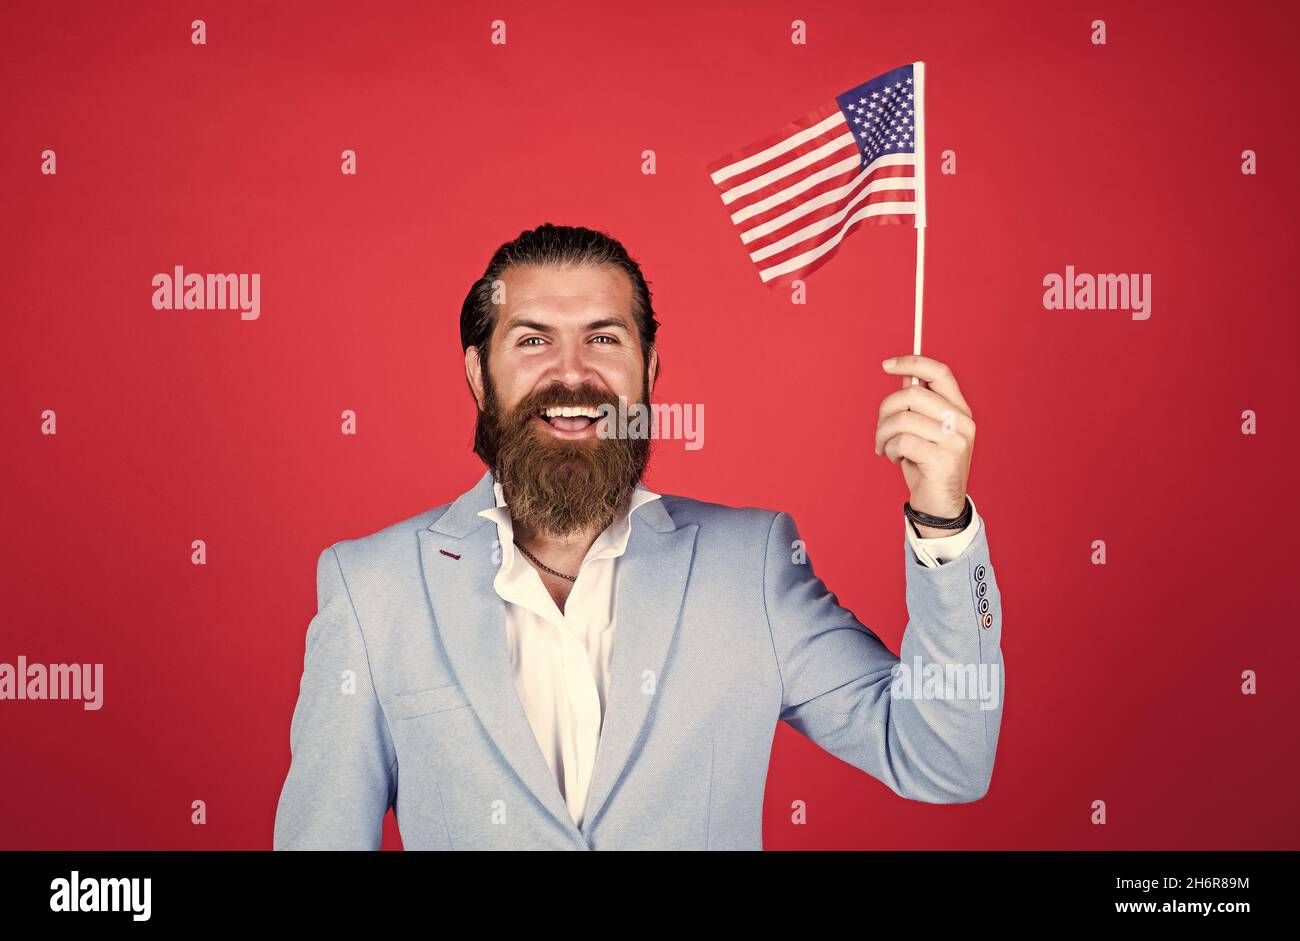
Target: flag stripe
826,223
809,154
899,211
896,189
873,179
810,127
836,149
823,181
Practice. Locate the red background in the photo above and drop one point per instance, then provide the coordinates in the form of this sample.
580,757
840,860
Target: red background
1124,679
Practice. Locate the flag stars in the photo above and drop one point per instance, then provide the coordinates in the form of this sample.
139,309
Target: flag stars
882,117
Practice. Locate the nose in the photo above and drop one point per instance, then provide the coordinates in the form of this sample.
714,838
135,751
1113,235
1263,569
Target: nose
571,366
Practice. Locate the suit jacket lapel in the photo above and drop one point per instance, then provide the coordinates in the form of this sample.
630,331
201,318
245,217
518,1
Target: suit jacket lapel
471,620
652,578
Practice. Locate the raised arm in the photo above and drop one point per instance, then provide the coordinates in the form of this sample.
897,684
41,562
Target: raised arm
929,737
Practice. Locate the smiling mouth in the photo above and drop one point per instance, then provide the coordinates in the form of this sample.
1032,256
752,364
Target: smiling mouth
569,418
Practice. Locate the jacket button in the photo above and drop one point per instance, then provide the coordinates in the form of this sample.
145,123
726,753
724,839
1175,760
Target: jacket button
987,621
979,572
984,606
982,589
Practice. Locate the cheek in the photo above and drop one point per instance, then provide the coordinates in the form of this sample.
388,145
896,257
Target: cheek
625,376
517,380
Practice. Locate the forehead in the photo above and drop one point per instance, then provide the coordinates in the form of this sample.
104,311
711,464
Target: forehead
557,293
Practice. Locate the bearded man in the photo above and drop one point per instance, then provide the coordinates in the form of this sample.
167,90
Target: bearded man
561,658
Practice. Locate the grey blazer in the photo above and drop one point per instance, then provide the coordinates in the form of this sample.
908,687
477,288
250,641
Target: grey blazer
407,698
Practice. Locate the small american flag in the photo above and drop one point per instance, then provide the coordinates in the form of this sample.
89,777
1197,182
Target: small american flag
794,196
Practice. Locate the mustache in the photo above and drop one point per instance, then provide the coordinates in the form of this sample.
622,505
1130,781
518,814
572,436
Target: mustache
584,395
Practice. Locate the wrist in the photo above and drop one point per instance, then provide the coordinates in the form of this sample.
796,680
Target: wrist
929,526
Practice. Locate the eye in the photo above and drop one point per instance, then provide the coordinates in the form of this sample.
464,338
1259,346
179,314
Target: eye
606,336
525,340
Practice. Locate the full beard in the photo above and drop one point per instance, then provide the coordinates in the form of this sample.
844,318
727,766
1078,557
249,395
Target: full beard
554,485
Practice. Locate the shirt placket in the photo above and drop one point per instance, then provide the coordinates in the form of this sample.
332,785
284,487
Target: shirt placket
583,699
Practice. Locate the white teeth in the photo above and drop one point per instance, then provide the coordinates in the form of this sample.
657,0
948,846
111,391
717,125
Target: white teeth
569,411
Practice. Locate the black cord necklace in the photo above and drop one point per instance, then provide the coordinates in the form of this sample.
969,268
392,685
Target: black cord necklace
542,565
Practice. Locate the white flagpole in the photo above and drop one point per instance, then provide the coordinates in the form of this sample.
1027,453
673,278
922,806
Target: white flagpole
918,85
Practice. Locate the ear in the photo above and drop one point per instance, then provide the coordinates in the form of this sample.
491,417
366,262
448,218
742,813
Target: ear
654,369
474,374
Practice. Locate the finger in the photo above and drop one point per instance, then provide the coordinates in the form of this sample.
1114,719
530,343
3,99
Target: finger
912,423
941,433
929,403
936,374
917,450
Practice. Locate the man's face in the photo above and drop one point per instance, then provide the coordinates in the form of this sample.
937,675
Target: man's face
565,336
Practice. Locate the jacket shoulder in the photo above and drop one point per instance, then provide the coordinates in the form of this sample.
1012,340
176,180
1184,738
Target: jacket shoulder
710,515
395,538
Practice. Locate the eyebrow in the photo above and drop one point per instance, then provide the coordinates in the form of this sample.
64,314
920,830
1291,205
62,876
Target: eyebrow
516,322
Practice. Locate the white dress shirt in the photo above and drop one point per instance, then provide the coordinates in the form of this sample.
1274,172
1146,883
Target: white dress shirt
561,659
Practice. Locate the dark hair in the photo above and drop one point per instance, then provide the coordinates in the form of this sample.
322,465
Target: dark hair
554,245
